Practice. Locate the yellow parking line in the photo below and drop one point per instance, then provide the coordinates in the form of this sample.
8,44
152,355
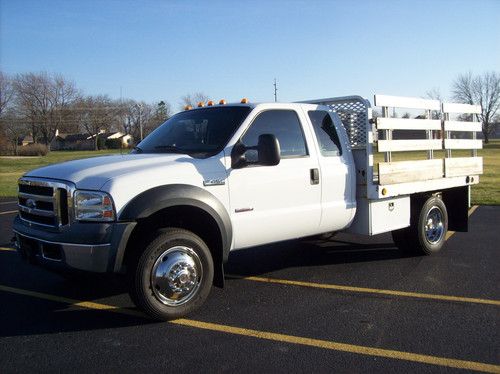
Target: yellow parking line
343,347
8,202
377,291
8,212
449,234
317,343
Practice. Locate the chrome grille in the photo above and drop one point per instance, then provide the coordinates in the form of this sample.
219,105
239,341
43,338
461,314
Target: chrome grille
44,202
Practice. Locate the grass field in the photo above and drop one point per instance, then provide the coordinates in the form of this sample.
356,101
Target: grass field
487,192
11,168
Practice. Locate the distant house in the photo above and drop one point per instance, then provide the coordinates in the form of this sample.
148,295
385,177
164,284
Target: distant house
87,142
126,140
71,142
25,140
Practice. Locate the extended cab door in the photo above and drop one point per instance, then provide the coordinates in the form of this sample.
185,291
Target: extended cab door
273,203
338,179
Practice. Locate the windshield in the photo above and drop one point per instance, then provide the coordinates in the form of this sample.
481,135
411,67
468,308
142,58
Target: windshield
199,133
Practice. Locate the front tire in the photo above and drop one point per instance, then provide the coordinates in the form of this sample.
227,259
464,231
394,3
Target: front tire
173,275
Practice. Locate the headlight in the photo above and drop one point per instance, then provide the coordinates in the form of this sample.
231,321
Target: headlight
93,206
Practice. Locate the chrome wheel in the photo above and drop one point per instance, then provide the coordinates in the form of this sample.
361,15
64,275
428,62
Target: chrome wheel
434,226
176,275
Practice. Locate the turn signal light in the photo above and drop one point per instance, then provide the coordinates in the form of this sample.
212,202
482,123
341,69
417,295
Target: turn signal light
244,100
201,104
222,102
188,107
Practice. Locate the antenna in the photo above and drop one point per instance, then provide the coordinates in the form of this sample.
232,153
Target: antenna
275,91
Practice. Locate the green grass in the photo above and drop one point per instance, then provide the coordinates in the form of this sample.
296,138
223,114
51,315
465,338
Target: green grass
487,192
11,168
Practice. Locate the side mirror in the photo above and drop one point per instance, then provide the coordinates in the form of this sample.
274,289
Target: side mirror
268,152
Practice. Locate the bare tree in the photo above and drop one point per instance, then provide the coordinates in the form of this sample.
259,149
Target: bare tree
193,99
96,114
43,101
134,115
12,128
6,92
434,94
481,90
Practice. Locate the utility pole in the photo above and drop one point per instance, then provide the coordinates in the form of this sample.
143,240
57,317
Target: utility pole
140,118
275,91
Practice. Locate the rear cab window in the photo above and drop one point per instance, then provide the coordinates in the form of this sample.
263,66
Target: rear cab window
326,133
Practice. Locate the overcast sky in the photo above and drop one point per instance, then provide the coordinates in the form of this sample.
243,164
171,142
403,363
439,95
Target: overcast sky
161,50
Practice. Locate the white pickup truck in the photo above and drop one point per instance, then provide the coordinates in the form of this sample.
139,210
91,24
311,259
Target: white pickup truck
228,176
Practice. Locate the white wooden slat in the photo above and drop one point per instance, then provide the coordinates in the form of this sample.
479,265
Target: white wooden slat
462,126
461,108
408,145
463,144
406,102
409,171
462,166
408,124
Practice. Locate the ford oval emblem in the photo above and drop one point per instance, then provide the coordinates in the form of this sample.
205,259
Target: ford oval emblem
30,203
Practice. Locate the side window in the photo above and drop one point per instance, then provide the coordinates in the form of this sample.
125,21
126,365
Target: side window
285,125
326,134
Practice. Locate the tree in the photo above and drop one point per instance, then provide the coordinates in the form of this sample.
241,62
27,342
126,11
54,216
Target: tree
193,99
481,90
161,114
12,128
95,114
43,102
6,92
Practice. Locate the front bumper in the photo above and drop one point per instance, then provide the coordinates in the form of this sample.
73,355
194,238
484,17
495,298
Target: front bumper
93,247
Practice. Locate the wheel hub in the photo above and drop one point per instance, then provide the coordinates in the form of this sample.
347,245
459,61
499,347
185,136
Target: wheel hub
176,275
434,228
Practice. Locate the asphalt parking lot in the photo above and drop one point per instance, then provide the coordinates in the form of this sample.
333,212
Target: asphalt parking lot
351,304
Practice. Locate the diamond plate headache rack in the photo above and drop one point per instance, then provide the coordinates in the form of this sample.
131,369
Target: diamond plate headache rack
355,114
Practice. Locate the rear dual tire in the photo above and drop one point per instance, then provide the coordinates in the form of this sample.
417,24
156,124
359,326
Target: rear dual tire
426,234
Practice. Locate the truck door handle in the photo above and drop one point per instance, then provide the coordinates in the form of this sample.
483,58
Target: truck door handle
314,176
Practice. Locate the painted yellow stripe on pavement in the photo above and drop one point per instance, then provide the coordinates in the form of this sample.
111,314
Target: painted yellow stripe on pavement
343,347
7,249
338,287
73,302
449,234
8,202
317,343
8,212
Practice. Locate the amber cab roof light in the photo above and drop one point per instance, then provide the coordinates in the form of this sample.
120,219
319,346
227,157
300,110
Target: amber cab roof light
244,100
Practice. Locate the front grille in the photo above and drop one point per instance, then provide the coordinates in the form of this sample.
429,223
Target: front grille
44,202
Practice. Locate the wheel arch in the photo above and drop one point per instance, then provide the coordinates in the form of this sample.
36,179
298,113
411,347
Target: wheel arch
182,206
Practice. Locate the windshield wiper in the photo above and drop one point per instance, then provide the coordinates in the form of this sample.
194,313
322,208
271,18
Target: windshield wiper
169,148
137,149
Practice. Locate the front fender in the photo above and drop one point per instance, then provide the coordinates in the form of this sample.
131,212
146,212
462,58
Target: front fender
155,199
